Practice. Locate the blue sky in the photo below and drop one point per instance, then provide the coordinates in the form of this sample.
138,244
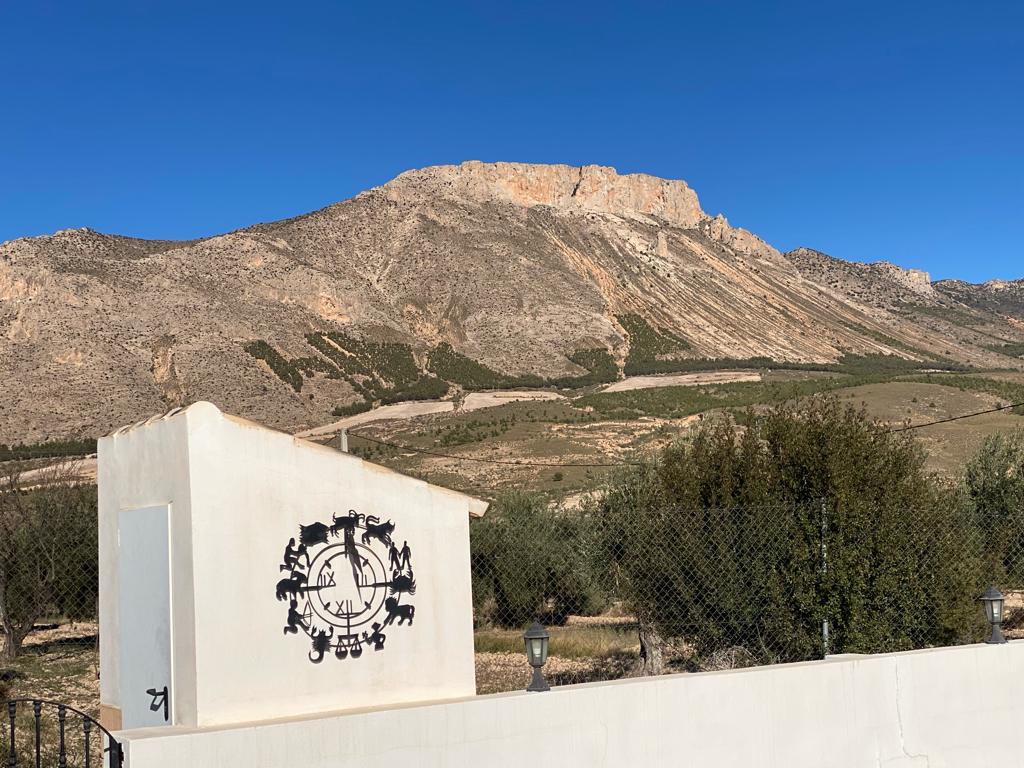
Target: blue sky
867,130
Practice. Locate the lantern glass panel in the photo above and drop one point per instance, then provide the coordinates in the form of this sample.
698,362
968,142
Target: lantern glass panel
536,651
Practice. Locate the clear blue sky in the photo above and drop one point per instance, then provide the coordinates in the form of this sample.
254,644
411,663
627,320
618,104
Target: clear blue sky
870,130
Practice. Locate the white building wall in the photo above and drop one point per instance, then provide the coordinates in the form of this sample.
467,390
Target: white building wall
943,708
237,493
146,466
251,488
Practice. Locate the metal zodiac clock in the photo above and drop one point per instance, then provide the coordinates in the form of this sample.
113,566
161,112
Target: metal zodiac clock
347,583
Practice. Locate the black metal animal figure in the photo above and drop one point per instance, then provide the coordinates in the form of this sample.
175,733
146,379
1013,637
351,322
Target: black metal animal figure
402,612
291,586
402,583
293,554
295,619
321,645
376,638
314,534
378,530
346,525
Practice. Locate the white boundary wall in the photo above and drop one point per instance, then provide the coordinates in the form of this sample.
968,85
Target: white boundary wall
956,707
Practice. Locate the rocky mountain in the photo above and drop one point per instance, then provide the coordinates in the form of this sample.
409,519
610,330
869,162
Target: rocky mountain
481,274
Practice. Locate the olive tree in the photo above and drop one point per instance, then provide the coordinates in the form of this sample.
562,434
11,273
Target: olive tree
994,486
48,550
755,531
529,562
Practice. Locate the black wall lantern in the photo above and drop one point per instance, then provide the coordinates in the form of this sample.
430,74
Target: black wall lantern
536,638
993,601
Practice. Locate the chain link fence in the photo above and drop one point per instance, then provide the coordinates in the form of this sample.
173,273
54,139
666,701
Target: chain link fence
624,591
628,593
48,585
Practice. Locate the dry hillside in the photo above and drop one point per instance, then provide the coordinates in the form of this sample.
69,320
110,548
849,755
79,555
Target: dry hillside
466,276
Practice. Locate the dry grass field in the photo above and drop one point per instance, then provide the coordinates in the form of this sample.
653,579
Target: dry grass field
59,663
948,445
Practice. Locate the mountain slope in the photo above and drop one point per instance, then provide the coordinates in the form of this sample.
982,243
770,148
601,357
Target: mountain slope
523,270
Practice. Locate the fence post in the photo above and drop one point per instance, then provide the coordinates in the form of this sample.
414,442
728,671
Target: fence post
824,574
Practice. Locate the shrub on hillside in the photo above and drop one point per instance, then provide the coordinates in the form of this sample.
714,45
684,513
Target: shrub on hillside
459,369
600,366
46,450
472,375
284,370
647,345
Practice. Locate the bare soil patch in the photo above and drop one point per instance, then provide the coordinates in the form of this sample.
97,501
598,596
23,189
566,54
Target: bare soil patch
682,380
477,400
406,410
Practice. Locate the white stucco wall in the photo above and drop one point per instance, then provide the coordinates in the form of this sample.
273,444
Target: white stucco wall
146,466
946,708
238,492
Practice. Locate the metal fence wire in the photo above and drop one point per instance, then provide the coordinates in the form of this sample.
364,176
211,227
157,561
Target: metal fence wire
629,593
623,592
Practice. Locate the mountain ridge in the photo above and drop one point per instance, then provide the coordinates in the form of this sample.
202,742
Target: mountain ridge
519,268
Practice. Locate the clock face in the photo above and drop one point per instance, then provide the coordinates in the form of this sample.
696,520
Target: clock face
347,583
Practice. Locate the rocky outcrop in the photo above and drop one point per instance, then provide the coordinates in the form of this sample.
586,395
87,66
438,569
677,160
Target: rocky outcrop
593,188
1005,297
879,284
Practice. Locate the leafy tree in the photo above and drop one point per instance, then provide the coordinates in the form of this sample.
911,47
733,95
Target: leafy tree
994,485
529,561
48,552
754,532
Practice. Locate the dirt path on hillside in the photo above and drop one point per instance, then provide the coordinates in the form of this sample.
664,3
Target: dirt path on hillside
406,410
682,380
477,400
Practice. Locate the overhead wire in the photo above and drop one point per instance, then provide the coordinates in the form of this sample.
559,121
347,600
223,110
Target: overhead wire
910,427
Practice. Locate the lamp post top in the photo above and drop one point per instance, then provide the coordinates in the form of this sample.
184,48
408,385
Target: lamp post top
536,632
992,594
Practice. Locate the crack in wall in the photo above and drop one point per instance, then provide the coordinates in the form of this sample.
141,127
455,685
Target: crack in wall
899,724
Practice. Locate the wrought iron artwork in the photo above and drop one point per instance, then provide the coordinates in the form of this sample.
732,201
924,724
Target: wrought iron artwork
161,700
72,744
346,583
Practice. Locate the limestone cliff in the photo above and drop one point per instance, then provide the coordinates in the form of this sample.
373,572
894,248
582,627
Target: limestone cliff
588,188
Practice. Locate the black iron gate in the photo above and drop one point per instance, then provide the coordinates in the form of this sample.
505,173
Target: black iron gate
50,733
